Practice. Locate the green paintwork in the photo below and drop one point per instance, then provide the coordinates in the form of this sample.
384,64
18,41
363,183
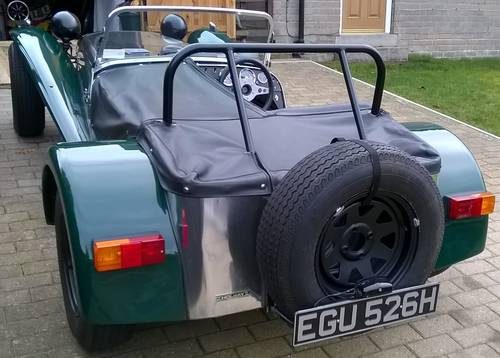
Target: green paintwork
119,196
60,83
459,174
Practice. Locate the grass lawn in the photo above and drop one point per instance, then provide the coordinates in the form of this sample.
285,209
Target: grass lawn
467,89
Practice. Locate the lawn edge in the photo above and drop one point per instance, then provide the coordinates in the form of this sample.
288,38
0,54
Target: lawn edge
400,98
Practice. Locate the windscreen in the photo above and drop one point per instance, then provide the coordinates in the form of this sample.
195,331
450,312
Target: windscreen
140,31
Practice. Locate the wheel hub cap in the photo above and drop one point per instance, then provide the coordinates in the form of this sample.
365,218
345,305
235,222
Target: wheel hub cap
357,241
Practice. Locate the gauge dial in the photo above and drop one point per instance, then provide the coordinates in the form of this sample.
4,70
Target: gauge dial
247,75
227,81
262,77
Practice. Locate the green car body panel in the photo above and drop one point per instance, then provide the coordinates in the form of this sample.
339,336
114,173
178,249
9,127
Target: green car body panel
459,175
59,83
110,190
119,197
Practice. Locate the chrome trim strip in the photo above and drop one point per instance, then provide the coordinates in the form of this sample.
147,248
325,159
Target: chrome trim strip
148,8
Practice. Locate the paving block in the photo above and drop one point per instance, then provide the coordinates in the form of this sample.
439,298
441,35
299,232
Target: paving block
447,304
448,288
228,353
309,353
240,319
17,283
474,298
481,280
183,349
41,342
5,349
30,268
33,309
471,336
435,325
14,298
270,348
434,346
352,347
225,339
394,336
270,329
481,351
7,271
475,315
189,329
45,292
398,352
495,290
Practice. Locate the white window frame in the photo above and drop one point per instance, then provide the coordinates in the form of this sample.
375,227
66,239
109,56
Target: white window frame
388,16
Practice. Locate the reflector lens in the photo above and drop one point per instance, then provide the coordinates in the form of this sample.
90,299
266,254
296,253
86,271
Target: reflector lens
127,253
471,206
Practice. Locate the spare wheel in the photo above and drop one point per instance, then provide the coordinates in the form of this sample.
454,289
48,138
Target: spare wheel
318,234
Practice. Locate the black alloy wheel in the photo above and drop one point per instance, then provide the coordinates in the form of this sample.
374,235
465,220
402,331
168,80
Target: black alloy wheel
361,242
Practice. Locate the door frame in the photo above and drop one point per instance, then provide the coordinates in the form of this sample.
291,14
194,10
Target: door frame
388,17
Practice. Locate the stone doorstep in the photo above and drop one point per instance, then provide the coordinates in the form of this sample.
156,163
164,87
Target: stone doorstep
375,40
387,44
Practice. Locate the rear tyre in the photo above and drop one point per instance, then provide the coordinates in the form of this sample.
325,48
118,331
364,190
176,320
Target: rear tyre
90,336
27,105
316,238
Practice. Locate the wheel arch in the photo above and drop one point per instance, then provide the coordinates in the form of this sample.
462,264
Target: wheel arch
460,174
59,83
107,191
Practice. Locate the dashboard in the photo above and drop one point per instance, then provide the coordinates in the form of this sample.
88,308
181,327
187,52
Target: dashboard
253,81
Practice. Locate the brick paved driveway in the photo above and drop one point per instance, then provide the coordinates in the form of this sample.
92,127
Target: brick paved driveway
32,321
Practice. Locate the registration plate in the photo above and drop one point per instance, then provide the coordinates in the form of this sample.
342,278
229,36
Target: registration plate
348,317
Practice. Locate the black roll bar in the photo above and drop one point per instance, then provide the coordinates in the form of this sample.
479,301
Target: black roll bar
229,49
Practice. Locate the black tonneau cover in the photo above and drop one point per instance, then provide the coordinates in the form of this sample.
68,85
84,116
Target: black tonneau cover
126,95
203,153
208,158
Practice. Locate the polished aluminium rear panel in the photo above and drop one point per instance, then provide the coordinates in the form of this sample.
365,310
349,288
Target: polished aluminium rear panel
218,255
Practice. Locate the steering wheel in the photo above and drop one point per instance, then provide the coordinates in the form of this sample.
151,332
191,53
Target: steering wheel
250,87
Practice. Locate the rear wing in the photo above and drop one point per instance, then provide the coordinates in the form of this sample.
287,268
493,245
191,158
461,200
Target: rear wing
230,49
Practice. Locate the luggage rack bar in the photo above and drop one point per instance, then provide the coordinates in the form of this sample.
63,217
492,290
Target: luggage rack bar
229,49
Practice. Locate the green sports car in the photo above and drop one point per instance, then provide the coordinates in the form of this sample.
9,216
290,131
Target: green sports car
185,188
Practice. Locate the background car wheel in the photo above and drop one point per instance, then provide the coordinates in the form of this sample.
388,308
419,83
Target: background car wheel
90,336
317,238
27,105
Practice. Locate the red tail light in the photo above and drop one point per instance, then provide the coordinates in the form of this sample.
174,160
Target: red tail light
126,253
471,206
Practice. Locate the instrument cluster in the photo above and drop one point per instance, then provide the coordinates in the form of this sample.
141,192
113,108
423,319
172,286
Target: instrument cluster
253,83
